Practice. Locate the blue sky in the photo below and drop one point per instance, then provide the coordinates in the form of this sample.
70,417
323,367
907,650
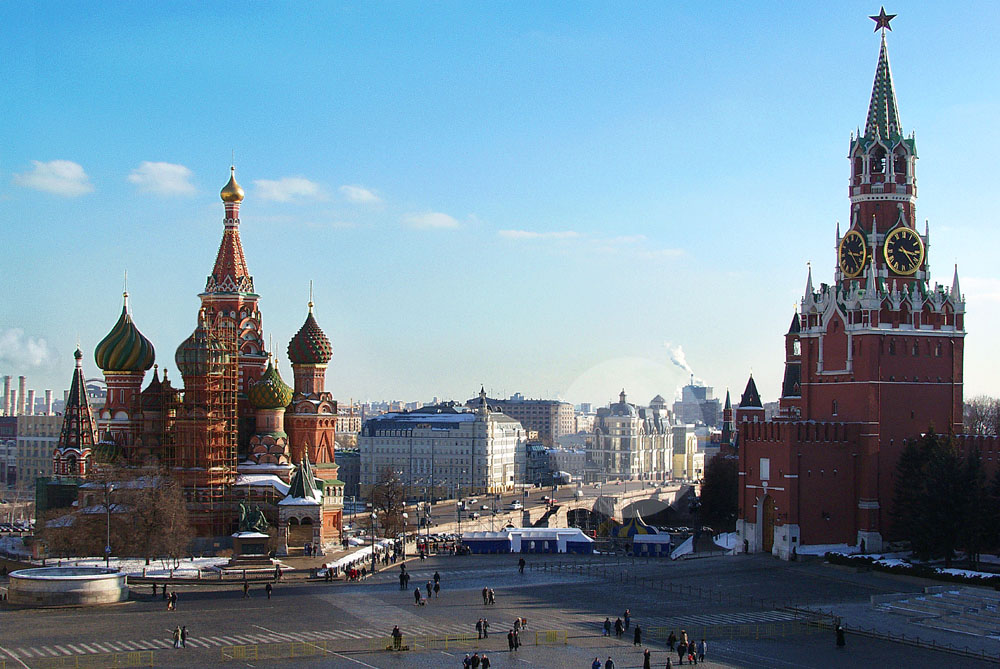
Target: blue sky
551,198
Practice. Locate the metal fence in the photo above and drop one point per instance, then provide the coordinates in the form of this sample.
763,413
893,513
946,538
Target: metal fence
274,651
137,658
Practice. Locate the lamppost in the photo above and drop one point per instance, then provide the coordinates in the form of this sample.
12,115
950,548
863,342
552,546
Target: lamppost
374,520
110,488
405,517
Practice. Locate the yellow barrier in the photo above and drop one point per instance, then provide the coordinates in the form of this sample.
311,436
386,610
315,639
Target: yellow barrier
137,658
448,641
737,631
543,637
273,651
388,643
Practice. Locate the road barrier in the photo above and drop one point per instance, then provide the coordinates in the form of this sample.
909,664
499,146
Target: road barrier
547,637
389,643
274,651
444,642
136,658
755,631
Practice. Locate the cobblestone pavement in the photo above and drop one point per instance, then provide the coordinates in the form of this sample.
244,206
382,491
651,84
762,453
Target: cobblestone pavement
559,593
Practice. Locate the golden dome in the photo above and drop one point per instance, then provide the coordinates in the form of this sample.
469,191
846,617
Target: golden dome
232,192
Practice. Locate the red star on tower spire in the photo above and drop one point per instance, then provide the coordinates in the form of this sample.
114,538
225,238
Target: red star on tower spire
882,20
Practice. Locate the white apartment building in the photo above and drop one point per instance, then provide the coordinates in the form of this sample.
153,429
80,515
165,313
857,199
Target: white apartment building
443,450
632,442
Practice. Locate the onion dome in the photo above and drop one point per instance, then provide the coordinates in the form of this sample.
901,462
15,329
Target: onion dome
310,346
195,352
232,191
107,452
270,392
124,349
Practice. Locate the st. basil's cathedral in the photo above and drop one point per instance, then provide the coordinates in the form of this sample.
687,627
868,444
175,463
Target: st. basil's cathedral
235,432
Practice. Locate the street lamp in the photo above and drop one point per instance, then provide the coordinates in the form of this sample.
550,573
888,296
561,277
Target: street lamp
110,488
405,517
374,519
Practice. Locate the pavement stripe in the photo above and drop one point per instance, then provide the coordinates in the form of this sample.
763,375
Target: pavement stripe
197,643
127,645
75,649
63,650
51,651
87,648
162,644
24,652
217,641
230,641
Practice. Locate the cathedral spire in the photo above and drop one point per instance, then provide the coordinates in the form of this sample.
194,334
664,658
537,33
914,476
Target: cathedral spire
230,273
883,115
956,290
79,434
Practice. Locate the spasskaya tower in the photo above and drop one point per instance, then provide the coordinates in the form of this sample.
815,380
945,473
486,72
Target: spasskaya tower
871,360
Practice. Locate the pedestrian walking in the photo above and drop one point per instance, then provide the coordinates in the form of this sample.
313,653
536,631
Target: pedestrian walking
485,663
520,569
486,596
475,661
416,596
246,590
479,628
609,663
184,637
486,628
596,664
429,586
702,649
466,662
646,660
437,577
607,627
277,573
177,637
682,649
267,589
671,640
669,664
637,637
517,624
619,628
402,580
154,590
437,588
628,619
510,640
493,597
841,639
397,638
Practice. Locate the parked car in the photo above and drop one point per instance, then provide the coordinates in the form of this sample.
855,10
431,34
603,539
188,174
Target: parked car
516,506
484,507
474,515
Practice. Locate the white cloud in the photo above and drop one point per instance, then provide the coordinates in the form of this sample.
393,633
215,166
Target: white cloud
288,189
62,177
360,195
431,220
636,245
18,351
531,234
162,178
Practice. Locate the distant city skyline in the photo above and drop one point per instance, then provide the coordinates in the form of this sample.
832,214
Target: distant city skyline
562,200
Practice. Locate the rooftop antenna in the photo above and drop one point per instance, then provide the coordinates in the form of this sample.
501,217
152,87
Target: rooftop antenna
310,295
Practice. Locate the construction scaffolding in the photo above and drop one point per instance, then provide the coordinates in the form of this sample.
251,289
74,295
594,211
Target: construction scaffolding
201,441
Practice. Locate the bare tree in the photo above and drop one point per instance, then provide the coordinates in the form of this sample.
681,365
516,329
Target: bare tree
388,498
982,415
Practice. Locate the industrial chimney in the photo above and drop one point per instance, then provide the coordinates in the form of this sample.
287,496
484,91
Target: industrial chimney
22,390
48,402
31,403
8,407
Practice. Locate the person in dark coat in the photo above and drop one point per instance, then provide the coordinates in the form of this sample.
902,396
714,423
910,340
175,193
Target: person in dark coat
682,649
841,640
437,588
479,628
486,595
607,627
267,589
485,664
619,628
646,660
671,640
520,566
628,619
510,640
637,637
416,595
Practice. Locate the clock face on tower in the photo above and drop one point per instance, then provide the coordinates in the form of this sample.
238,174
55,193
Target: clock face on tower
852,254
904,251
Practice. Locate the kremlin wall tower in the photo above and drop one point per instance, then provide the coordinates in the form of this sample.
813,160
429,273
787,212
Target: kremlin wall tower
235,432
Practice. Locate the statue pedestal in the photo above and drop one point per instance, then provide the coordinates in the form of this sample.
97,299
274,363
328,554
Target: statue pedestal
250,551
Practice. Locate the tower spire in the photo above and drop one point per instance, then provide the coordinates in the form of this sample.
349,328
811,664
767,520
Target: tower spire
883,114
